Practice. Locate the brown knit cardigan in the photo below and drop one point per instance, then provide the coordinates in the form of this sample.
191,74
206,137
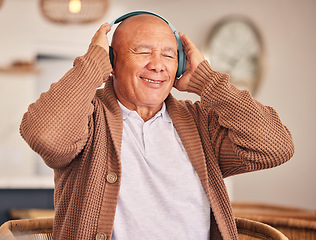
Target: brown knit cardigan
77,130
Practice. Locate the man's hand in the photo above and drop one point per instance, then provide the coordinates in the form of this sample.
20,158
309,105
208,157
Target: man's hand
194,58
100,38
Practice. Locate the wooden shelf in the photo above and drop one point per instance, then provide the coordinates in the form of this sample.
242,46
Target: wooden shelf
21,68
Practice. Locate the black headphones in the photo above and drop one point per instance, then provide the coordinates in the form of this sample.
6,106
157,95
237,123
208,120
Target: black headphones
181,55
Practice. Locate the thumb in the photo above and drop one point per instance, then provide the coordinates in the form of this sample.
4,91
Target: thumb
182,83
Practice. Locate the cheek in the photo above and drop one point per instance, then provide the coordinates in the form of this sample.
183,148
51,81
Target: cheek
173,68
125,84
123,61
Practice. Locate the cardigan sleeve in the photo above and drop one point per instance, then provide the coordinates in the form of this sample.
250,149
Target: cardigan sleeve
56,125
251,135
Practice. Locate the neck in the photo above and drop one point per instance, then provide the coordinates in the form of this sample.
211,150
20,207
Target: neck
145,112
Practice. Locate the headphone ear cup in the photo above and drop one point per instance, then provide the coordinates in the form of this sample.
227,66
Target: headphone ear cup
181,63
111,55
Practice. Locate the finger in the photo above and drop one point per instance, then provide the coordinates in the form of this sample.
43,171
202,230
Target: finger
186,41
187,48
182,83
191,51
105,28
100,37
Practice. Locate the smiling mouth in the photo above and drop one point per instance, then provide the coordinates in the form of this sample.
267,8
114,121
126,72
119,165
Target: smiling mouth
152,81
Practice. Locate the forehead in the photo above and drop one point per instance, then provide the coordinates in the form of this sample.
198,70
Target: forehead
144,19
145,28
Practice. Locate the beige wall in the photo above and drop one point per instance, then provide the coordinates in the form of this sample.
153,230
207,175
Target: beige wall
287,28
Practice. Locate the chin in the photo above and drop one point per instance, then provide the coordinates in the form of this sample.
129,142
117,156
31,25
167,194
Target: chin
153,102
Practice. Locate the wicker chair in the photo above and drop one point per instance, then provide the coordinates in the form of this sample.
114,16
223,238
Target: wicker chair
295,223
253,230
28,229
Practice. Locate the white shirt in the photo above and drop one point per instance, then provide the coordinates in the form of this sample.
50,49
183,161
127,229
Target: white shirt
161,195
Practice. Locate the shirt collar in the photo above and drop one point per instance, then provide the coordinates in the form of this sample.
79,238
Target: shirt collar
125,110
161,113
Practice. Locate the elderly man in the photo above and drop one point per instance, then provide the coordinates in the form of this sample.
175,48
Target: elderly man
131,161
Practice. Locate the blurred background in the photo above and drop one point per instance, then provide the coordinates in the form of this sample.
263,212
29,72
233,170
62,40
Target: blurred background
269,47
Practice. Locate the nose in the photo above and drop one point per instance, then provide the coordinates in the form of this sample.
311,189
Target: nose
156,63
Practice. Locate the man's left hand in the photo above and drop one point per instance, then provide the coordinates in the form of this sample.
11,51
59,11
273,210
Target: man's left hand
194,58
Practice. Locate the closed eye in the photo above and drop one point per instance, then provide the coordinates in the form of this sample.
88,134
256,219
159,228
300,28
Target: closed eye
169,56
143,53
141,50
169,53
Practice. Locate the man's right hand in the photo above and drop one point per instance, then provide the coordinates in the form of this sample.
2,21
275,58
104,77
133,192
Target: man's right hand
100,38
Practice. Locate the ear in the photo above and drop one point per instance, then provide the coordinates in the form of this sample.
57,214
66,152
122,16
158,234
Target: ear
112,58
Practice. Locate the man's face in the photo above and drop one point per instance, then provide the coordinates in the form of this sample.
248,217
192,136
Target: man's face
145,62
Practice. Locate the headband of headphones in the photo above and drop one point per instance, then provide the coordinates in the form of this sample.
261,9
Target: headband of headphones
181,55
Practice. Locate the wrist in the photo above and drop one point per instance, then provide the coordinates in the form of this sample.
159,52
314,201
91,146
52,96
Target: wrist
200,77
